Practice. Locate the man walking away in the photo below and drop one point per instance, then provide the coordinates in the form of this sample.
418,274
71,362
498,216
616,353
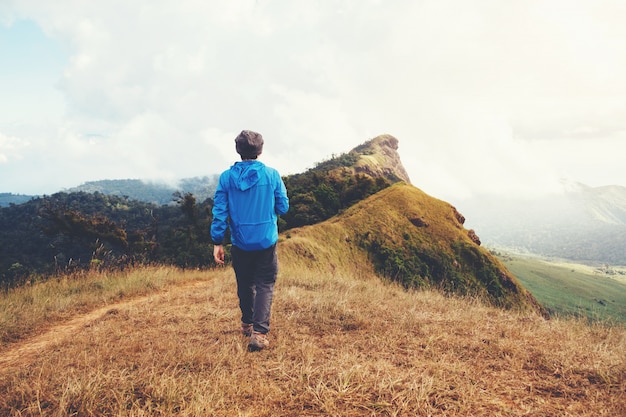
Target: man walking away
249,198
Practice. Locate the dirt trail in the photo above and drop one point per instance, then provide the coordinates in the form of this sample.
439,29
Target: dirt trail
25,351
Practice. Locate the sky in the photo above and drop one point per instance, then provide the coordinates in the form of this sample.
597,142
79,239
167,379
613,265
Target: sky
486,97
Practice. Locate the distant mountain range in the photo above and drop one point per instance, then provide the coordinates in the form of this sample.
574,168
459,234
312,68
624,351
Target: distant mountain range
6,199
586,224
135,189
153,192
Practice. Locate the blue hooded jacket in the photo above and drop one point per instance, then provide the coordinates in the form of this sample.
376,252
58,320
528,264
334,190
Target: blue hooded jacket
249,198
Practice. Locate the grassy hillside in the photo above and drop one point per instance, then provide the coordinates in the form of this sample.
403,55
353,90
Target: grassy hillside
412,238
343,344
571,289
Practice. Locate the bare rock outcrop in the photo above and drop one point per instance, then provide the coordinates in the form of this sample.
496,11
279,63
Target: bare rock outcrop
380,158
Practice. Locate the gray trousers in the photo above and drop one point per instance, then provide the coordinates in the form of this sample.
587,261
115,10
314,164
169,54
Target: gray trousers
256,274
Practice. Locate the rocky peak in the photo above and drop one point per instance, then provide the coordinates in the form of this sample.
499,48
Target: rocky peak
379,158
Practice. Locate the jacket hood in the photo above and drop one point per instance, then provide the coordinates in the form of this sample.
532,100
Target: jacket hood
245,174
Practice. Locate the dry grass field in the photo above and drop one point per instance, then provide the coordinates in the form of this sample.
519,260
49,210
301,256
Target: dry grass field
342,344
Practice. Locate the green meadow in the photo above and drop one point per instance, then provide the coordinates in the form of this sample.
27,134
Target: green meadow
568,289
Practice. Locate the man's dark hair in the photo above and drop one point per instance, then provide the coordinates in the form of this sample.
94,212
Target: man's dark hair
249,144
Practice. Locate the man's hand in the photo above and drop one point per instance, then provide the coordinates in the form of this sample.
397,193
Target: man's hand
218,254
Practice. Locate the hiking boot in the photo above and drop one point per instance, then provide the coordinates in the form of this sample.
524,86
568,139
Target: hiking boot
246,329
258,341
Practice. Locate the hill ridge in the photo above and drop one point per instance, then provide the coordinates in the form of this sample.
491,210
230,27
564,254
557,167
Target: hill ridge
410,237
422,243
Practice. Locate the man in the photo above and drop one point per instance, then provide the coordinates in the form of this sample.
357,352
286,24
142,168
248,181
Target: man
249,198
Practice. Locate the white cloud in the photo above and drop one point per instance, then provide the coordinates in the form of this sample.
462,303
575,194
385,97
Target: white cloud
485,97
11,148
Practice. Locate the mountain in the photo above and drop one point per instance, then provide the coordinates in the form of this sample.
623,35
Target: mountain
583,224
377,219
410,237
379,158
336,184
400,231
605,205
135,189
152,192
6,199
